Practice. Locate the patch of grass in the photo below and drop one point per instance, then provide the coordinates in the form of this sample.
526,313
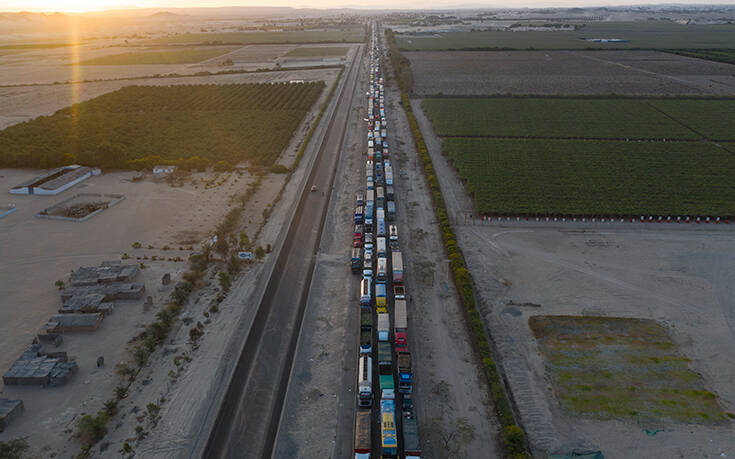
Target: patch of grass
595,178
172,56
324,51
624,371
719,55
137,127
712,118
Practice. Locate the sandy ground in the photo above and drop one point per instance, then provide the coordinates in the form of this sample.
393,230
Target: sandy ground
36,252
23,103
39,251
679,276
568,72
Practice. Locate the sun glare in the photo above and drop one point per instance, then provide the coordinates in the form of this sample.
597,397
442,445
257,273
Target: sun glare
80,6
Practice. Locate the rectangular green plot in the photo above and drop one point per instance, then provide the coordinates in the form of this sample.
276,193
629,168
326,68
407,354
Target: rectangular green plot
714,119
138,126
542,117
620,368
595,178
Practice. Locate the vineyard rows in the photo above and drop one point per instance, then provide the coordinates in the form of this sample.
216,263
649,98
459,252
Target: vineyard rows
683,119
138,126
595,178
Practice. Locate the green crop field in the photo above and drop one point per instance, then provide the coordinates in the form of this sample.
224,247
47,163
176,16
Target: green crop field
349,35
587,118
595,178
714,119
324,51
138,126
619,368
641,34
170,56
720,55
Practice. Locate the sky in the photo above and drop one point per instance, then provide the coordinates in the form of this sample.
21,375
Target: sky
101,5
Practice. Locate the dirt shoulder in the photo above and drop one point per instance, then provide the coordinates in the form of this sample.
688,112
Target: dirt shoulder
450,390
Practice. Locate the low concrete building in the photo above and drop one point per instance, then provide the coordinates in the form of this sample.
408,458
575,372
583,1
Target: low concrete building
107,272
68,323
109,292
9,410
55,181
34,367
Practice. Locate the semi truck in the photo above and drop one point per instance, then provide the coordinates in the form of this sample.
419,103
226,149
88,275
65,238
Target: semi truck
356,261
382,276
411,446
365,293
405,377
359,214
400,326
383,326
382,250
381,298
397,260
366,320
366,342
385,358
387,389
388,435
391,214
362,435
365,381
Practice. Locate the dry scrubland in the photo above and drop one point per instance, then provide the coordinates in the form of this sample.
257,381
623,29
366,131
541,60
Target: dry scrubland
659,387
567,72
157,56
347,35
139,126
508,165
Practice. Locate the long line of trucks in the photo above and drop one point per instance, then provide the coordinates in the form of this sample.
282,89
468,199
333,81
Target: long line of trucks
377,256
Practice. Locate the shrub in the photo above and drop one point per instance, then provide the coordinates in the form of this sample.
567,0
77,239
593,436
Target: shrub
59,284
279,169
259,252
137,245
13,449
92,429
224,281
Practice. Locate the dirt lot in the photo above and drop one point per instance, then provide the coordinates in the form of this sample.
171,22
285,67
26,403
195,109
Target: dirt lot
568,72
679,277
27,102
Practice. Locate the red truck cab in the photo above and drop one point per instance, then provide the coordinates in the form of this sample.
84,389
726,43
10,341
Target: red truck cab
401,341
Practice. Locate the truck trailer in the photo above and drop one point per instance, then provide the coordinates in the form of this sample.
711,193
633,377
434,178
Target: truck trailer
362,435
383,326
365,381
385,358
389,437
411,446
397,267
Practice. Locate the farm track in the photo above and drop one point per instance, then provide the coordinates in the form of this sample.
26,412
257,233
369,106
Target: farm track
260,380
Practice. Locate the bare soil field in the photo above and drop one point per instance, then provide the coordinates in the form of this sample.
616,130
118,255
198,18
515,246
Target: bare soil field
678,277
26,102
61,65
568,72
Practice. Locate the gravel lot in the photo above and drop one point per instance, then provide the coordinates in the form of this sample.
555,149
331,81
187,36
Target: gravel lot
568,72
680,277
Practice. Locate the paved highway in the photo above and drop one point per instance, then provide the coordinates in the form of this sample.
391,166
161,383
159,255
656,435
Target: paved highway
247,422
